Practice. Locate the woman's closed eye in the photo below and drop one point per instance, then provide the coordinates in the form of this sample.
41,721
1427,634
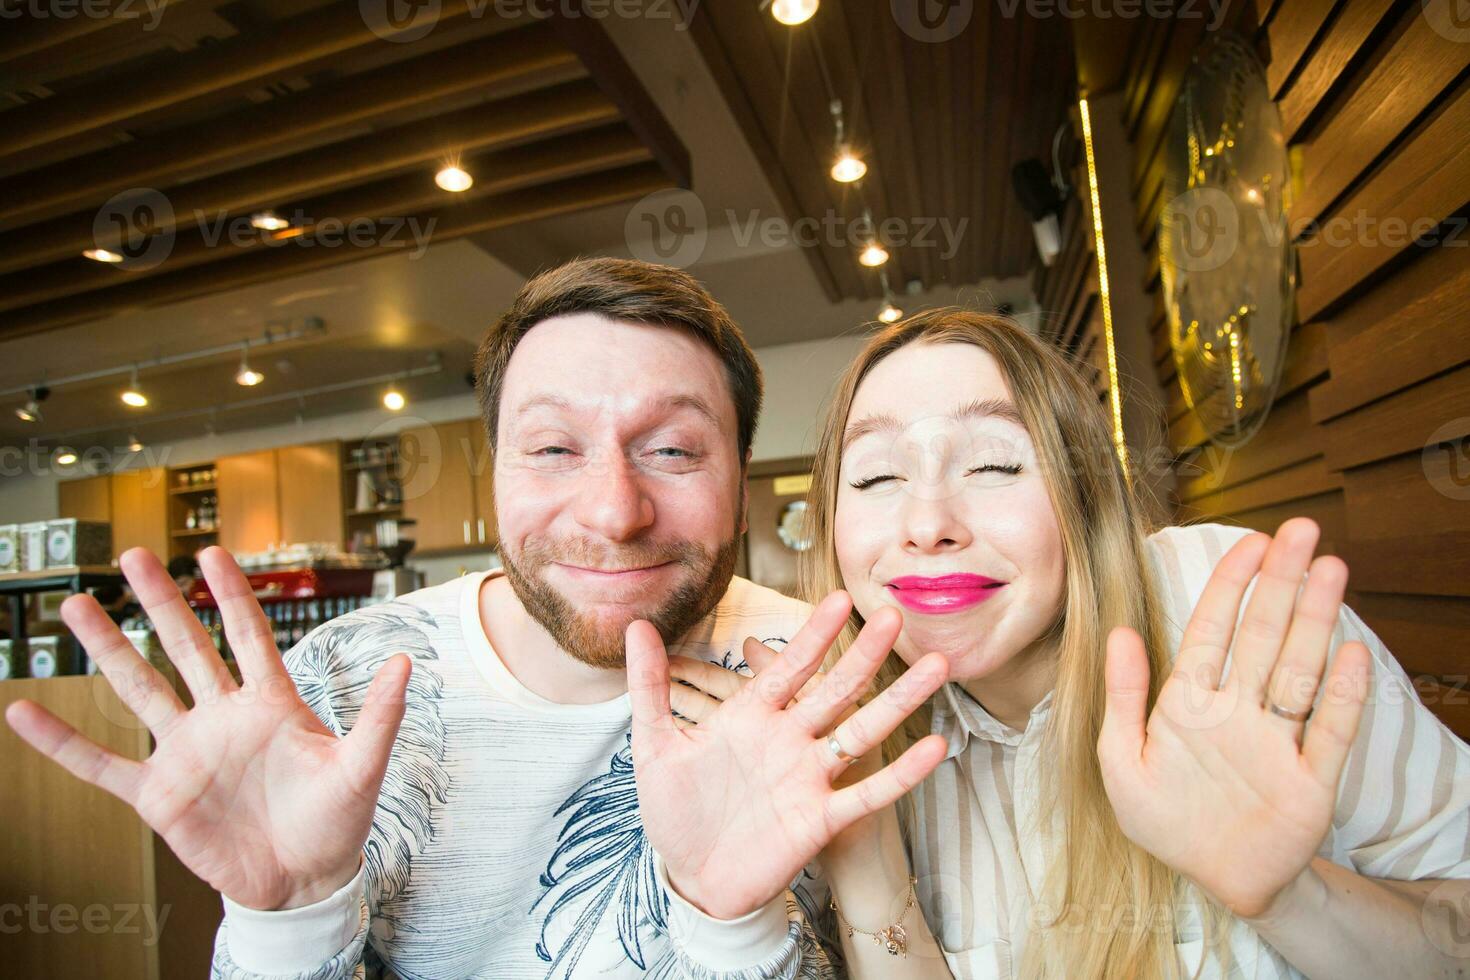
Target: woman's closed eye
1010,469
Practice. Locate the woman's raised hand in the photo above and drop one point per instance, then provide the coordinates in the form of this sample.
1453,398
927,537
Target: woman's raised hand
1213,781
248,787
738,804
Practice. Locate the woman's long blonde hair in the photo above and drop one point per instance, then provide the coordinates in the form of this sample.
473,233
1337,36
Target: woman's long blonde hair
1097,872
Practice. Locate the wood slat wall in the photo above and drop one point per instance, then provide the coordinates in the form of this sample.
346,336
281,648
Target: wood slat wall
1369,432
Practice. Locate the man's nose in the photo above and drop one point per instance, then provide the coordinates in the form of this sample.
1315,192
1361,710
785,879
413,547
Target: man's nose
612,502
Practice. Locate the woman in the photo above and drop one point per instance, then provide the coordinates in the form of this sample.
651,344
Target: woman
1118,799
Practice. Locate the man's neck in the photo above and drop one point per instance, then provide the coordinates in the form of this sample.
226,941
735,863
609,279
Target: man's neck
534,658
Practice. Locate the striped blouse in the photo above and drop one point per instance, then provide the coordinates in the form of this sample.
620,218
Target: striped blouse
1403,807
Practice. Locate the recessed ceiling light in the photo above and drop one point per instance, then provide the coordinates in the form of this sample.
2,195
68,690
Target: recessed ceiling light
65,456
454,180
793,12
268,221
393,399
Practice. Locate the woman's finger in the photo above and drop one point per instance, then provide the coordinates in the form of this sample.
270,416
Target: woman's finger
179,631
877,719
757,654
1262,632
852,676
1334,725
75,752
885,786
1298,672
784,676
138,685
1206,640
1125,712
692,704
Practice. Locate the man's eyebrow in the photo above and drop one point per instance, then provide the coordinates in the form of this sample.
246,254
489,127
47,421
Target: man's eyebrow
668,404
979,408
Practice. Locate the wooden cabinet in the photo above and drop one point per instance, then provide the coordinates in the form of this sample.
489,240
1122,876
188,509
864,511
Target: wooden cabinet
447,475
134,502
249,501
140,511
310,478
86,499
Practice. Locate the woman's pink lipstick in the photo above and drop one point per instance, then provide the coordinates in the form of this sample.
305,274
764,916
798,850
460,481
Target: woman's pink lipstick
943,593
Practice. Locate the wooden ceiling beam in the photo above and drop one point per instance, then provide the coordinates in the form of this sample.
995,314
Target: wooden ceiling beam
40,34
586,37
390,202
495,211
499,64
233,62
271,184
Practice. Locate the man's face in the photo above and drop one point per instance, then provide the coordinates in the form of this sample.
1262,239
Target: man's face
619,491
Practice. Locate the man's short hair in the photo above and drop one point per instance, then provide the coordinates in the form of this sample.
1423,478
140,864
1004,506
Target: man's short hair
621,289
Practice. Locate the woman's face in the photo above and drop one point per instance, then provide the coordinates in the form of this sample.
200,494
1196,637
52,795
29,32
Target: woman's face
942,510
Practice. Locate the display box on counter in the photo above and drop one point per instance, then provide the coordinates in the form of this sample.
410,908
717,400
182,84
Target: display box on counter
9,548
10,666
73,542
32,539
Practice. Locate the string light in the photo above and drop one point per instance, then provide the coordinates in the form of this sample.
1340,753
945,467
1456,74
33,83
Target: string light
1115,396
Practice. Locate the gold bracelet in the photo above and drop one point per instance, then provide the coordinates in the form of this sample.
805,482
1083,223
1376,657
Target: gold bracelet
893,939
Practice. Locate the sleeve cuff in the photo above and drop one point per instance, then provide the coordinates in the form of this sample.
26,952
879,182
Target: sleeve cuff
724,945
294,941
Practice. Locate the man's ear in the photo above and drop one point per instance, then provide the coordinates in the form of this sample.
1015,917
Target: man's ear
745,493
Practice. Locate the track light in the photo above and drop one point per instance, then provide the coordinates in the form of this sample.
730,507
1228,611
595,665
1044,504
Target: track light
102,255
793,12
247,376
889,312
135,445
31,410
873,255
847,166
454,180
393,399
133,396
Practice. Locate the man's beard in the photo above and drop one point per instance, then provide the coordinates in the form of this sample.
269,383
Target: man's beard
599,644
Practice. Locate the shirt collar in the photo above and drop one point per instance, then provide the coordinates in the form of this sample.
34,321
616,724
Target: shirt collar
958,716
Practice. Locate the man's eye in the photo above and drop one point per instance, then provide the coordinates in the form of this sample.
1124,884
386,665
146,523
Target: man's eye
674,451
551,451
871,481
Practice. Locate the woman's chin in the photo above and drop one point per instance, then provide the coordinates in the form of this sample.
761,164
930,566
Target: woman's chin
967,661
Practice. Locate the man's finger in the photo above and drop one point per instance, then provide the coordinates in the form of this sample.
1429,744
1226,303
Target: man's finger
138,685
247,628
180,633
648,682
369,744
75,752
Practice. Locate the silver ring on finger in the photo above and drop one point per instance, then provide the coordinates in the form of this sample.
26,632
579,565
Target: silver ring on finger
835,747
1287,713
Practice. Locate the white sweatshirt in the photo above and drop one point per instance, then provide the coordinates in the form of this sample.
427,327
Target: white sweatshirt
507,841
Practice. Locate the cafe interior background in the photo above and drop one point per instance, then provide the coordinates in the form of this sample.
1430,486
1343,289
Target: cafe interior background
247,248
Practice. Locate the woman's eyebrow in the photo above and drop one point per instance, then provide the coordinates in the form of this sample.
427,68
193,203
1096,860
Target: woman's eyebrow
884,422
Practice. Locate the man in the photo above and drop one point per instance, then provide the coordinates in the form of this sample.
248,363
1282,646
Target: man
503,837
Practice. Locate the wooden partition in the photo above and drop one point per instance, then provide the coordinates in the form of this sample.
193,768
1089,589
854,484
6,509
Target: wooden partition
1368,433
94,891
